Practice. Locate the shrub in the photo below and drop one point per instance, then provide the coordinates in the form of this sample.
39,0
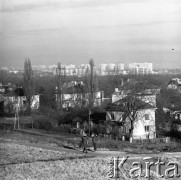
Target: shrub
99,129
45,125
41,122
65,128
112,144
175,134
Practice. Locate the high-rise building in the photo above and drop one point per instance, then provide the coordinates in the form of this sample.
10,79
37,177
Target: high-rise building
111,66
141,68
102,69
119,68
84,66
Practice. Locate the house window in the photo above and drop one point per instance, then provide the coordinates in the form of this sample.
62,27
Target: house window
147,128
78,125
178,116
124,129
147,117
112,116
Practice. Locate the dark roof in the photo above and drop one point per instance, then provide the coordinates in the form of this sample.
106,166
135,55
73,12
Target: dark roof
122,104
77,119
11,94
148,85
98,116
17,92
174,103
139,85
75,90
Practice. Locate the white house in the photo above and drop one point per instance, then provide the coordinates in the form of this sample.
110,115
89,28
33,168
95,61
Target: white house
17,96
175,84
77,95
144,123
143,89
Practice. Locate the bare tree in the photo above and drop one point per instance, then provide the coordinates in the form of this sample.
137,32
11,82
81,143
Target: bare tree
91,63
28,83
60,81
79,98
91,82
17,109
131,105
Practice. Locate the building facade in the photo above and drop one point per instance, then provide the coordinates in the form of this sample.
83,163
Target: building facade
140,68
143,125
75,94
175,84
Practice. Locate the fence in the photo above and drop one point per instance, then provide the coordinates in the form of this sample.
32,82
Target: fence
155,140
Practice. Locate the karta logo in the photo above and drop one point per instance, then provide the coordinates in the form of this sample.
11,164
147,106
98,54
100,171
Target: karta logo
120,167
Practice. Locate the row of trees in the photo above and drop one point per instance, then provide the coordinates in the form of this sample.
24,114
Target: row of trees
90,85
28,83
47,89
91,80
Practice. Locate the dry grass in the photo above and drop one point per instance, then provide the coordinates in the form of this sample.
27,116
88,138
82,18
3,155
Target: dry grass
12,153
107,144
77,169
55,169
87,169
52,169
40,139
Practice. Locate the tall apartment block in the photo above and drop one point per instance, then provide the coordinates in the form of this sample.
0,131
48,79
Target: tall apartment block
140,68
111,69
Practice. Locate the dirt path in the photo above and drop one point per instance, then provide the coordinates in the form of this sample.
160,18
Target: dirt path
49,134
101,154
97,154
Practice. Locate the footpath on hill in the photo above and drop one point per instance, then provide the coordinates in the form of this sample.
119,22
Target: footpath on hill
132,157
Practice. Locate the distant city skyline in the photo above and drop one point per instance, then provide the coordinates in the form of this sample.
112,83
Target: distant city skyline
99,69
74,31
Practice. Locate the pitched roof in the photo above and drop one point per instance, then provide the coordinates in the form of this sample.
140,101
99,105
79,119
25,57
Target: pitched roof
11,94
139,85
174,103
17,92
122,104
76,89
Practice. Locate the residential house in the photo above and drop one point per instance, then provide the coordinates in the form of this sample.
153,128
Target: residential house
10,99
144,123
141,88
175,84
173,111
77,95
176,116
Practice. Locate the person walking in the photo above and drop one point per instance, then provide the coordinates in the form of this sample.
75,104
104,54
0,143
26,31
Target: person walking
81,135
94,141
84,141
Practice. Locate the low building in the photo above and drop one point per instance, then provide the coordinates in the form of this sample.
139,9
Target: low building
175,84
77,95
17,96
143,89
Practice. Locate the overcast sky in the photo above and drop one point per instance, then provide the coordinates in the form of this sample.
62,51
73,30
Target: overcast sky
73,31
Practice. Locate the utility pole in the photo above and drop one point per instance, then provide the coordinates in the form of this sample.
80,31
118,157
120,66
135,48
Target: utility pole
34,83
89,121
60,80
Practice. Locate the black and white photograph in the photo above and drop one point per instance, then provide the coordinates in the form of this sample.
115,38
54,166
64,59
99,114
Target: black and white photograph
90,89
